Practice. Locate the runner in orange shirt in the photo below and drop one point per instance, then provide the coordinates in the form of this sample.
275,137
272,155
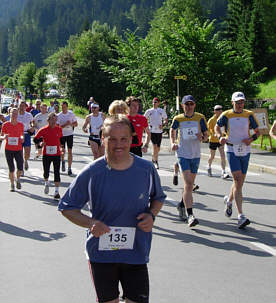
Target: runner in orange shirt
13,132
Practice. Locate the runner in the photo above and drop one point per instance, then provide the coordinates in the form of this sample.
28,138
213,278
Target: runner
214,144
272,131
40,120
27,119
140,124
37,109
67,120
51,107
95,122
51,135
89,104
237,123
13,132
192,129
119,233
157,118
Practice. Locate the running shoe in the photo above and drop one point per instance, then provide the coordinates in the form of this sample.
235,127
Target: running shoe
192,221
26,165
63,166
56,196
209,172
12,188
18,184
175,180
196,187
22,175
228,207
156,165
46,189
181,212
225,176
69,171
243,221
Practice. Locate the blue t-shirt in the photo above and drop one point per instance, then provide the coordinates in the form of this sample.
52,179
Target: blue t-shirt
116,198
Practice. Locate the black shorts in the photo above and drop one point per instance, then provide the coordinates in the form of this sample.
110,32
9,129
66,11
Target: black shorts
68,140
14,155
136,150
156,138
134,279
214,145
96,139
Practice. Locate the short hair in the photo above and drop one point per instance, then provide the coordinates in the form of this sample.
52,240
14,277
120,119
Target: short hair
64,103
116,104
50,115
116,119
131,99
44,104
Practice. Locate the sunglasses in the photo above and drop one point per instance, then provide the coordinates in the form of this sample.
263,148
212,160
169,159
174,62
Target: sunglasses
239,102
189,104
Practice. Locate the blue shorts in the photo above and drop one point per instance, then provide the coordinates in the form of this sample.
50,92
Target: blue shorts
238,163
27,140
189,164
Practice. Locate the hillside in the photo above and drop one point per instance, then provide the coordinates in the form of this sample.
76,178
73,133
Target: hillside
10,9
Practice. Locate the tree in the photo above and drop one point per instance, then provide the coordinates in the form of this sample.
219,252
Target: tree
213,69
24,76
39,81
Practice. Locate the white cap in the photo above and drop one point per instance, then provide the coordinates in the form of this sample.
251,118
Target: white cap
218,107
238,96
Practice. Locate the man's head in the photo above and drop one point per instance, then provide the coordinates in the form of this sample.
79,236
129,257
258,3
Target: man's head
56,107
37,104
22,106
217,110
238,100
95,108
155,102
188,104
133,104
64,107
44,108
117,137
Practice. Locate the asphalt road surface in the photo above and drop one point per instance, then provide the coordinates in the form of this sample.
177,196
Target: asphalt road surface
42,254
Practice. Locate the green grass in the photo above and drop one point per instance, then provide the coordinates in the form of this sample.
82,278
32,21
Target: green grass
266,143
268,90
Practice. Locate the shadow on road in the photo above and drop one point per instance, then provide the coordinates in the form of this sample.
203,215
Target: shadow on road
35,234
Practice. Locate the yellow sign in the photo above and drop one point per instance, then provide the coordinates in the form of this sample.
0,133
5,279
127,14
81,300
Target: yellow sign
183,77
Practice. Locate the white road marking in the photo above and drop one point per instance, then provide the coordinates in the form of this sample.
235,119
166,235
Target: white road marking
172,201
88,159
266,248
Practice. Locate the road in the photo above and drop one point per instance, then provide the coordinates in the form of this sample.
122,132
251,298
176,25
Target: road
42,254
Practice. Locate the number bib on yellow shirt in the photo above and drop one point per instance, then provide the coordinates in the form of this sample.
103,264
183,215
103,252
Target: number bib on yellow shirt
189,133
117,238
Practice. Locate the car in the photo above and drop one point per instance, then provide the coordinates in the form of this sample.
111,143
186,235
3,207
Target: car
53,93
5,103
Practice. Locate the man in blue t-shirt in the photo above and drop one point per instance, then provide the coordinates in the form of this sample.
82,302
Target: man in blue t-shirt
124,195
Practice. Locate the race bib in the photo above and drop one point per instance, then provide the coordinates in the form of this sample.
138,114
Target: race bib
189,133
13,140
118,238
51,150
240,150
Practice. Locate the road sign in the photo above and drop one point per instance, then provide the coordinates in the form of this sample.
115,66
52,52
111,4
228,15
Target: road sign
182,77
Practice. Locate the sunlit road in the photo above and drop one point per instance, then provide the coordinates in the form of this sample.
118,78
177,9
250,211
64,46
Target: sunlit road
42,254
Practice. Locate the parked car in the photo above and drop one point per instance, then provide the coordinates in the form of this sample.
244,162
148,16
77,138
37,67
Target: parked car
53,93
5,103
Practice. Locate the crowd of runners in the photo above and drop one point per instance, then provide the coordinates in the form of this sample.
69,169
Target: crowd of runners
114,136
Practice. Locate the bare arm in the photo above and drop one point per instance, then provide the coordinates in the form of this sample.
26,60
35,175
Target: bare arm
84,127
146,219
174,145
96,227
145,148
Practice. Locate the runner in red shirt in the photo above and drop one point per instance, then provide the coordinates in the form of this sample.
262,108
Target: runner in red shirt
13,132
51,135
140,124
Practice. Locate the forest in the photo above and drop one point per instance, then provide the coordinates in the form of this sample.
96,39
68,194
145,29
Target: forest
111,48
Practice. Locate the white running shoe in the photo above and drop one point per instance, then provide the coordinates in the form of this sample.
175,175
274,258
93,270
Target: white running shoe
46,189
243,221
192,221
